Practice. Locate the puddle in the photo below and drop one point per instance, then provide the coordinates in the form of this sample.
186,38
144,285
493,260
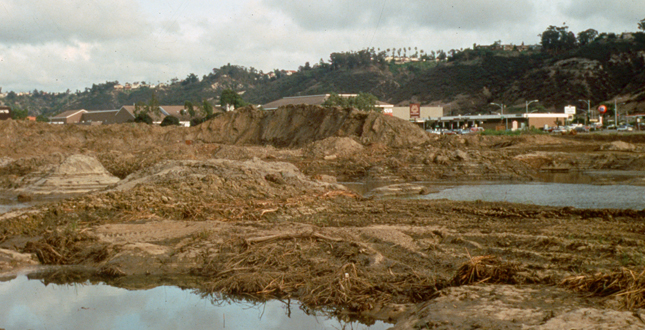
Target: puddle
596,177
30,304
583,196
588,189
9,206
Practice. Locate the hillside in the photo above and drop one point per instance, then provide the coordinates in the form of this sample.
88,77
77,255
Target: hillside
467,81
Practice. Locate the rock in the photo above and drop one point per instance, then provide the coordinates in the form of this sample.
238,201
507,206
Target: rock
400,189
275,178
461,155
10,259
618,146
442,160
24,197
326,178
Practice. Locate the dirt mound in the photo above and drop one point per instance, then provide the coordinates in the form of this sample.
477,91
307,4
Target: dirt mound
340,147
225,179
234,152
296,126
77,174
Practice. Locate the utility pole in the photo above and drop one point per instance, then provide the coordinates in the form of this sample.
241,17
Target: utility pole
616,114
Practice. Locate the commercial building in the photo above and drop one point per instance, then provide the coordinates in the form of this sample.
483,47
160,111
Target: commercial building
500,122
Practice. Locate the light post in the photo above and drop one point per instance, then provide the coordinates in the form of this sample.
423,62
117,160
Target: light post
588,110
529,102
501,106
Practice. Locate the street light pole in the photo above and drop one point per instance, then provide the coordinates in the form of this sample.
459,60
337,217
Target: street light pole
588,110
529,102
501,106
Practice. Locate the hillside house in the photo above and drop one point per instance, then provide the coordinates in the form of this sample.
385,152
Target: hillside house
178,111
5,112
93,117
68,117
106,117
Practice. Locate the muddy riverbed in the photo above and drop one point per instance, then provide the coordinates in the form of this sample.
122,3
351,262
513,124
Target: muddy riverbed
266,218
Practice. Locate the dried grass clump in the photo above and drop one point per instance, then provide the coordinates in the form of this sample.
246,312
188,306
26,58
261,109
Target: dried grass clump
67,247
625,284
488,269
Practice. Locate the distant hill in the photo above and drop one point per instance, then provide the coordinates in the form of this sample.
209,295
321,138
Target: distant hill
465,82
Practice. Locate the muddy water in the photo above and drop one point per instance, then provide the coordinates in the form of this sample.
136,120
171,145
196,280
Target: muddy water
547,194
29,304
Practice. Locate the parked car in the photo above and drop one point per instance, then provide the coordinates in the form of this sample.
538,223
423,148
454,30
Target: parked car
559,130
625,128
434,131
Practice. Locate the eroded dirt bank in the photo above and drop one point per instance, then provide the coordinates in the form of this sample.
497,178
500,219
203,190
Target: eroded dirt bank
248,216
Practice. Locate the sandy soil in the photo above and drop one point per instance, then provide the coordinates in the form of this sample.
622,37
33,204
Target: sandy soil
257,212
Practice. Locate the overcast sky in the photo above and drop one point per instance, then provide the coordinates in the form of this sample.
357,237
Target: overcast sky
71,44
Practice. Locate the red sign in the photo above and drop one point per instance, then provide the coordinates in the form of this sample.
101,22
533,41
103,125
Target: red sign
602,109
415,110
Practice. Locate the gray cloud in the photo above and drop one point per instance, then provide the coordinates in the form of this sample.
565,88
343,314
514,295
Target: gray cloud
36,21
613,10
54,46
346,15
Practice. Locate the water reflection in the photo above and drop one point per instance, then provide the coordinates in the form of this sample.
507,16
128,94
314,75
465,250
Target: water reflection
29,304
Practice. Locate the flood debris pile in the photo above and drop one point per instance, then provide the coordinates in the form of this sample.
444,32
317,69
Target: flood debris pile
67,247
486,269
336,272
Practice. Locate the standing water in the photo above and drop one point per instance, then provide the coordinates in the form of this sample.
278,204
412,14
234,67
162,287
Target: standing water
29,304
583,196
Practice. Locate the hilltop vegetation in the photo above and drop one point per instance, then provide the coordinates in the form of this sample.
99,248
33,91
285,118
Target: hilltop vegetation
562,70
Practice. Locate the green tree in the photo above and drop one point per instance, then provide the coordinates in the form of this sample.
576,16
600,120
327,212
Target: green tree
587,36
363,101
143,118
230,98
170,121
18,114
441,55
42,118
558,39
190,108
641,25
143,111
207,108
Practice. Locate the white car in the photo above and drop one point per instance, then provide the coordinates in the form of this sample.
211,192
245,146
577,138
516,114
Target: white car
625,128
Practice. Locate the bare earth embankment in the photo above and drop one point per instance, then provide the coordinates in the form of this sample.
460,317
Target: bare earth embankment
249,204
